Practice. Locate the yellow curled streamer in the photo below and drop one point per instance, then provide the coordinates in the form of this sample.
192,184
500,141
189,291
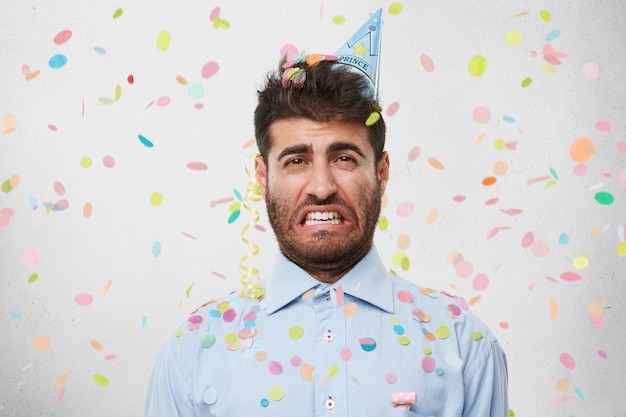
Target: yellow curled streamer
250,280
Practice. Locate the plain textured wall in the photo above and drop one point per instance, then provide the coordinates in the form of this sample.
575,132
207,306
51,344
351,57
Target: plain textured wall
95,269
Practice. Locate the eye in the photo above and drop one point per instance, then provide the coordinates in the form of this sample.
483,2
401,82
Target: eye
346,158
295,161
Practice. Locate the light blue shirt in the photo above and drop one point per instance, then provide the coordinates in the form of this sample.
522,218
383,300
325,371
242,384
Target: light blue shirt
313,349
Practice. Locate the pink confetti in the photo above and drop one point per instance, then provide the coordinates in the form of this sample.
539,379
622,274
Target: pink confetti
221,201
427,63
32,260
428,364
570,276
58,188
391,378
458,198
346,354
538,179
393,108
414,153
481,115
189,236
197,166
540,249
590,70
275,368
52,127
259,228
83,299
210,69
464,269
217,274
567,360
405,296
492,233
62,37
108,161
110,357
339,295
214,13
405,209
289,50
580,170
512,212
622,178
480,282
504,325
621,146
163,101
528,240
603,126
5,217
492,201
602,354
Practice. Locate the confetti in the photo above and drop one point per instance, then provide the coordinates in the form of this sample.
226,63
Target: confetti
477,66
481,115
62,37
590,70
395,8
145,141
163,40
156,199
427,63
83,299
513,37
101,380
41,343
118,12
339,20
210,69
57,61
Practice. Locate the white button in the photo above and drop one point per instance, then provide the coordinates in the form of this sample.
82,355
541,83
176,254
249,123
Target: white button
210,396
330,404
330,336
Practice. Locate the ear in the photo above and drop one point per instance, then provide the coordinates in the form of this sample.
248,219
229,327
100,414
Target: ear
260,174
382,171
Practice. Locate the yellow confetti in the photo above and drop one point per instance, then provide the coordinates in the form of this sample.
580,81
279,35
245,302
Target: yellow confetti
581,262
477,65
395,8
118,92
163,40
339,20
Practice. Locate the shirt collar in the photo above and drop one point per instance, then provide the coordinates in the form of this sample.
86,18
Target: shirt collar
368,280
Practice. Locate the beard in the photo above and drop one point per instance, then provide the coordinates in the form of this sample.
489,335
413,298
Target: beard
325,250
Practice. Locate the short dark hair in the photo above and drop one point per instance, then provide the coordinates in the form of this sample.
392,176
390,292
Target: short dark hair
331,92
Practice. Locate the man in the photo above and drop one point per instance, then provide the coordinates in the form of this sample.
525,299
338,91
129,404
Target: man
333,333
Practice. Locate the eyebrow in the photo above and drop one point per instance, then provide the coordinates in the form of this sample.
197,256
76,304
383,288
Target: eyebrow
333,147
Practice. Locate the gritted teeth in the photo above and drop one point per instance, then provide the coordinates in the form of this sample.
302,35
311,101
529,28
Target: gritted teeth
322,217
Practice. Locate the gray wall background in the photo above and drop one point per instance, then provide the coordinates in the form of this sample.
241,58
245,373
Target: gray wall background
91,286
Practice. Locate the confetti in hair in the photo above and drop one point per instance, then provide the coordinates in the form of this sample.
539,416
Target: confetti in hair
250,281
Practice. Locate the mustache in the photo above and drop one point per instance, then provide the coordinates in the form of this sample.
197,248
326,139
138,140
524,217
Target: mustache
330,200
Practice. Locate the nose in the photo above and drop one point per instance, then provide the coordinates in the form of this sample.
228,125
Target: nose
321,182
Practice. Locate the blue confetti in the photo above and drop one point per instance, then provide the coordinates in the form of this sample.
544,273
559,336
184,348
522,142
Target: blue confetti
144,320
145,141
156,248
99,50
553,35
564,239
57,61
15,315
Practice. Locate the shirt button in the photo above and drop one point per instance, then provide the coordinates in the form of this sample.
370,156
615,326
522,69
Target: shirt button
330,336
210,396
330,404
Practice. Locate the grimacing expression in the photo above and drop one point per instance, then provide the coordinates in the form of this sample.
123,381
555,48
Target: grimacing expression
323,191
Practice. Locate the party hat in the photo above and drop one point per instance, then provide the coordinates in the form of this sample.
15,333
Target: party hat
362,50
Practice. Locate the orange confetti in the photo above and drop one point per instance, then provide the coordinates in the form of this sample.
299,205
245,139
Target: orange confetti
520,14
487,181
41,343
96,345
554,310
474,300
61,380
595,309
432,216
14,181
595,231
249,143
562,384
307,372
181,80
582,149
87,210
435,163
260,356
106,287
480,138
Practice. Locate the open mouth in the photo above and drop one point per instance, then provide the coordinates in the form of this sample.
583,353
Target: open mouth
314,218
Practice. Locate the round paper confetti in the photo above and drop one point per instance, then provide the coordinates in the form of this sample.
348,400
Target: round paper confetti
604,198
296,332
428,364
163,40
477,65
395,8
207,340
83,299
346,354
442,332
513,37
276,393
41,343
481,114
57,61
210,69
405,209
480,282
590,70
108,161
62,37
391,378
86,162
339,20
367,344
582,149
156,199
32,260
427,63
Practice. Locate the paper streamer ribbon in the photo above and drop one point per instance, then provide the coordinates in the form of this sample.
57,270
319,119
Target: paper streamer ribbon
403,400
250,279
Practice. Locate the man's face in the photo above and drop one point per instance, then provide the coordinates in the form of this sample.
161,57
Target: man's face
323,193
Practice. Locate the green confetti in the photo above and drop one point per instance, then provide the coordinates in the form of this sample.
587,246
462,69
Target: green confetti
526,82
339,20
395,8
6,186
118,13
383,223
604,198
188,290
33,278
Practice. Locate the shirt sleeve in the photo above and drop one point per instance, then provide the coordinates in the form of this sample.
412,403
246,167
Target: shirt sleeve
169,392
486,385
